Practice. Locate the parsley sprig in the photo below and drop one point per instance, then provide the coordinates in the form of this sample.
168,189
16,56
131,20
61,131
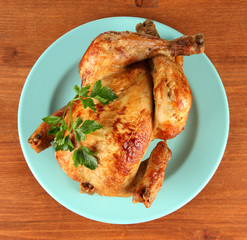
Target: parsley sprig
82,155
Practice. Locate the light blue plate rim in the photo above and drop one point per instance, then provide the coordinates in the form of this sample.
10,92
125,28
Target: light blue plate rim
107,219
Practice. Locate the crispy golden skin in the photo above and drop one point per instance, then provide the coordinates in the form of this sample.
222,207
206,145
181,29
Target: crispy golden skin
130,122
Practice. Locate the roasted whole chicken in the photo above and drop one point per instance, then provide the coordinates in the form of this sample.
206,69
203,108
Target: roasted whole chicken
154,100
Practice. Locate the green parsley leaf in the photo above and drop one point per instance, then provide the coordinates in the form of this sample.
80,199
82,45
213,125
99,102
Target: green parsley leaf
78,122
59,142
79,135
78,157
52,120
96,88
84,156
102,94
59,139
77,89
108,94
53,130
59,135
84,91
90,126
70,145
64,126
88,151
67,144
102,100
88,102
58,146
90,161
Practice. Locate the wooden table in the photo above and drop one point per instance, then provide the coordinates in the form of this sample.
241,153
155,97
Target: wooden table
27,28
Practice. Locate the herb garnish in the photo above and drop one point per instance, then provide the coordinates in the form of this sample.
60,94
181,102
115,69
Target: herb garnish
80,128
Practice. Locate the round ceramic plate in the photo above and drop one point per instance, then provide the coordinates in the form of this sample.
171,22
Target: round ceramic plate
197,151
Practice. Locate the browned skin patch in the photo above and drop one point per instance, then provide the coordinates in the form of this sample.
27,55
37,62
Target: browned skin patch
179,101
133,143
131,151
99,110
122,111
168,131
121,52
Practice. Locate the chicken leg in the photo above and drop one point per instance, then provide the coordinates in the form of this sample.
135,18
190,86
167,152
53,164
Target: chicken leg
170,86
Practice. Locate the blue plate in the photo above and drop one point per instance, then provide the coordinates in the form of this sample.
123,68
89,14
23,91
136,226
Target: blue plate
197,151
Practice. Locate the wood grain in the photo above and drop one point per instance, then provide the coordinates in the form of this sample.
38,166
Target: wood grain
27,28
